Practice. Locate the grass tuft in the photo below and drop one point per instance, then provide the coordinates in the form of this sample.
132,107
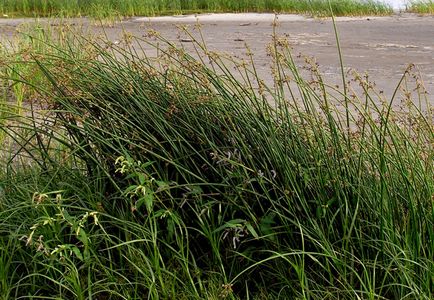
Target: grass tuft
422,7
173,176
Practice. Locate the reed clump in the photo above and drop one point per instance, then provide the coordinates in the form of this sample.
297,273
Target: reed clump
188,177
109,8
422,7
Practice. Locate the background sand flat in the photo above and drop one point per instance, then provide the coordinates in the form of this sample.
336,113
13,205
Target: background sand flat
381,46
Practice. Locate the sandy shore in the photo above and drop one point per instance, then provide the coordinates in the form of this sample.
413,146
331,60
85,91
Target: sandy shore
381,46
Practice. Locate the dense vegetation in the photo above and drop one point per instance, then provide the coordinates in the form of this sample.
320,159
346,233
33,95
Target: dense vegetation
423,7
104,8
129,177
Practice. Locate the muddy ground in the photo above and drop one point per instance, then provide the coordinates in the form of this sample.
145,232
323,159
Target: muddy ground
381,46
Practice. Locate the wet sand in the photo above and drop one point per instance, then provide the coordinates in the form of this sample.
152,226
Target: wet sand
381,46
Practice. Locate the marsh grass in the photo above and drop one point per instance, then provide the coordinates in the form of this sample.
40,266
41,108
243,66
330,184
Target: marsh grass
18,74
110,8
190,178
422,7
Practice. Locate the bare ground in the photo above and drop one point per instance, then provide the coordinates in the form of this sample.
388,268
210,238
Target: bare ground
381,46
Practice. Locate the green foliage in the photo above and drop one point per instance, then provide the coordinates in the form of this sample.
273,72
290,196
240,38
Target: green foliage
109,8
19,74
175,177
422,7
